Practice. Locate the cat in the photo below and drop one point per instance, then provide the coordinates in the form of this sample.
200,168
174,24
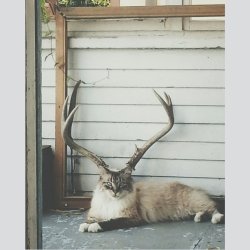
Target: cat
119,202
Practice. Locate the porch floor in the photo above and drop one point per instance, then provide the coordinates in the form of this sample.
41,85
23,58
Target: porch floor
60,231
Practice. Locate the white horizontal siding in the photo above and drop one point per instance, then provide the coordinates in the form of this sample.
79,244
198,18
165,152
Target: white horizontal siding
178,78
171,41
150,59
213,186
139,113
162,150
141,131
161,167
143,96
124,25
121,61
79,27
145,40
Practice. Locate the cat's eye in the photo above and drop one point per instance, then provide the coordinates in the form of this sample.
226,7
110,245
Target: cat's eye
123,185
108,185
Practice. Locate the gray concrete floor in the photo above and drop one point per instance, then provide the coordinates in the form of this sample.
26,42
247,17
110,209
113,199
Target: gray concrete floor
60,231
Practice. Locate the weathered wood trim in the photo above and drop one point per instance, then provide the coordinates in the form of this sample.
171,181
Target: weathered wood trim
61,200
143,11
61,91
33,178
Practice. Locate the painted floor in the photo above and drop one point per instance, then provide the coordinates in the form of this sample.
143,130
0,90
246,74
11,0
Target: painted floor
60,231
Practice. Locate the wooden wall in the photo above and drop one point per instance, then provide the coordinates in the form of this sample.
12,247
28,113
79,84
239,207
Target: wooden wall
122,61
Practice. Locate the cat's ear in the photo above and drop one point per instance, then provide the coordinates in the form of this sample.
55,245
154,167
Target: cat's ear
126,171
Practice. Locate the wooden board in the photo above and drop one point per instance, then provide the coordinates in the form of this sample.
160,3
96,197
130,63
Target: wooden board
143,40
142,59
143,96
137,114
213,186
143,11
157,167
141,131
206,78
162,150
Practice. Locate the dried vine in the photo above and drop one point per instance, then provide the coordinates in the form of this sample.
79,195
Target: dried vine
49,35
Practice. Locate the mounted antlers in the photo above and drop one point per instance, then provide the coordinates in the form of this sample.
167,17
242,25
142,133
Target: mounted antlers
139,152
66,124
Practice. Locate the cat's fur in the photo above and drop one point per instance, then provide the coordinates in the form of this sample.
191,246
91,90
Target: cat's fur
119,203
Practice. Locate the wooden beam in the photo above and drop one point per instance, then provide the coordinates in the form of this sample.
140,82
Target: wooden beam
143,11
61,91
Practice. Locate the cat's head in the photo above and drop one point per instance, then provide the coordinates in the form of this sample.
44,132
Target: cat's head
116,183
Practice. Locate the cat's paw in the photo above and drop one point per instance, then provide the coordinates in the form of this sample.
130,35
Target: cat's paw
217,218
83,227
198,217
94,228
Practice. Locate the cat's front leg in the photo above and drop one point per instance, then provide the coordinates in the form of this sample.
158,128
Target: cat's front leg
84,227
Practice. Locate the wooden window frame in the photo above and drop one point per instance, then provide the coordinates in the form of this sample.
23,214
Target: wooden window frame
62,16
206,24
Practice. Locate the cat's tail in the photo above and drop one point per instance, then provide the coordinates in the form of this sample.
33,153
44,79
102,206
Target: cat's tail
118,223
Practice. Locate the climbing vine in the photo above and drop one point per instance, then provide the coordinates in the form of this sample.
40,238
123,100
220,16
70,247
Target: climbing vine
87,3
50,36
71,3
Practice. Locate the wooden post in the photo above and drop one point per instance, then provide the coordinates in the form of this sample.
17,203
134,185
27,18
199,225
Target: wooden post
33,145
61,91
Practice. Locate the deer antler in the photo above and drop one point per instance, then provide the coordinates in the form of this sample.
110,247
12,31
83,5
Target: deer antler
139,152
66,124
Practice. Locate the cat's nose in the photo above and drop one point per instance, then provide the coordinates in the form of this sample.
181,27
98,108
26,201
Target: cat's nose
115,193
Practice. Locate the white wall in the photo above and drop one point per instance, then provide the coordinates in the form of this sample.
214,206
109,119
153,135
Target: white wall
122,60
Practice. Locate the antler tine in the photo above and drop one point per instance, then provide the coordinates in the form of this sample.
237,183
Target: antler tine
167,105
66,123
139,152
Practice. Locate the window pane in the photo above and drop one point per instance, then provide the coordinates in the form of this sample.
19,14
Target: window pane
204,2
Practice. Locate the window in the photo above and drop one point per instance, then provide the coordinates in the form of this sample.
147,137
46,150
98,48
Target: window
204,23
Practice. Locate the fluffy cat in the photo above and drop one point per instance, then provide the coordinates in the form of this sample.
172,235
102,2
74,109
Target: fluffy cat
118,202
